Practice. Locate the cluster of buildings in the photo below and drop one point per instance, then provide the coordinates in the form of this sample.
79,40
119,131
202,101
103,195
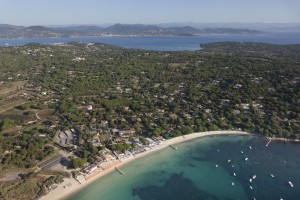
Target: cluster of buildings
107,158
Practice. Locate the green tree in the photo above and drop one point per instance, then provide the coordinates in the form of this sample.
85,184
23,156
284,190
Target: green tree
175,133
157,132
143,140
6,124
186,130
77,162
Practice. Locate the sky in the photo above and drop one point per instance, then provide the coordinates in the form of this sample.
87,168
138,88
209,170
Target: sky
66,12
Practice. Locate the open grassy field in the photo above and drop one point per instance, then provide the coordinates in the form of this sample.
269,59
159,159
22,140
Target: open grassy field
16,115
10,130
8,95
46,113
11,104
5,101
9,88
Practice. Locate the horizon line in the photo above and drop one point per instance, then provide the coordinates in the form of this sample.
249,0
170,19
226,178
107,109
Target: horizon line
161,23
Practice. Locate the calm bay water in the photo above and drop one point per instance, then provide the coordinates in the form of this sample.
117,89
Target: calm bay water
191,173
165,43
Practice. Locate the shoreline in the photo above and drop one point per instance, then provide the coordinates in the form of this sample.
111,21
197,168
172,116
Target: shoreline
62,193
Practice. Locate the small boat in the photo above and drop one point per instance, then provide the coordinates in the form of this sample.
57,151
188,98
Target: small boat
217,165
242,152
232,183
234,174
246,159
218,150
250,180
251,187
250,147
281,198
272,175
232,165
229,161
254,176
291,184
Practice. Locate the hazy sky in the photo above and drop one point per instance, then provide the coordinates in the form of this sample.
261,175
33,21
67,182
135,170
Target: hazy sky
57,12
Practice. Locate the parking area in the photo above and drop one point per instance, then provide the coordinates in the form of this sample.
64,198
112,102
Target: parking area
59,162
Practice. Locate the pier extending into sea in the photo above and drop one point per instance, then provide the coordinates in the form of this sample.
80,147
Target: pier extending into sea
268,143
175,148
120,171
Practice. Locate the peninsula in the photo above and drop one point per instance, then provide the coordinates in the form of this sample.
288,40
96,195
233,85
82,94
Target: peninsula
11,31
77,110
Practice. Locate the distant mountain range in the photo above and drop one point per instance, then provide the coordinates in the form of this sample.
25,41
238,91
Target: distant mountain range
11,31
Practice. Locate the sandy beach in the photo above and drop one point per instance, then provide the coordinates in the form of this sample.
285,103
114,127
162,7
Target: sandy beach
61,192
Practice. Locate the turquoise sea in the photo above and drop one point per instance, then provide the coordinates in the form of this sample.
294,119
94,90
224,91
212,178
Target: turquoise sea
190,172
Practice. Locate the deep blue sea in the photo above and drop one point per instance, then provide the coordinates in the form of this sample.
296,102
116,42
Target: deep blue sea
190,172
165,43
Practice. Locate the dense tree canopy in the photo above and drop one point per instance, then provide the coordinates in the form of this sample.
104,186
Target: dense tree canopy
95,87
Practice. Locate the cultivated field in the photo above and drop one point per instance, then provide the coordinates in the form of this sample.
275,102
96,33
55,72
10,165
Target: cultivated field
11,87
9,95
10,104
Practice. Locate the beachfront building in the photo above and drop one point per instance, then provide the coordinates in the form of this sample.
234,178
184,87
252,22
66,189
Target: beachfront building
90,169
80,178
122,156
151,143
138,149
107,155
